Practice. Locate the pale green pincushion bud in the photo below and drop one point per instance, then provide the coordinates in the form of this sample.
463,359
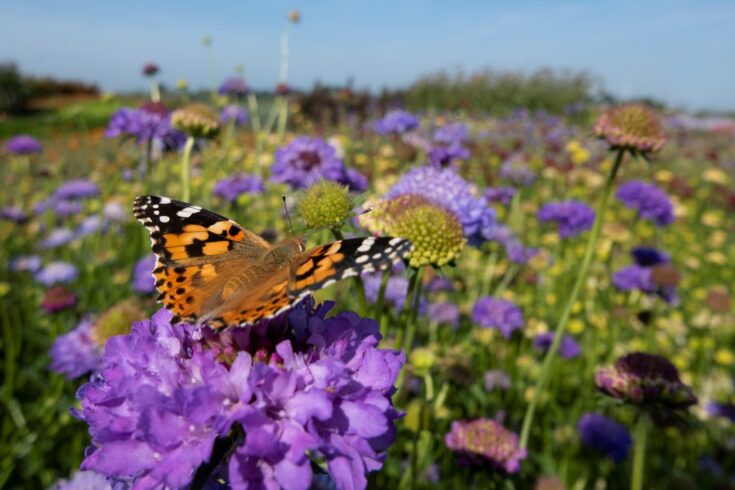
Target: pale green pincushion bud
325,204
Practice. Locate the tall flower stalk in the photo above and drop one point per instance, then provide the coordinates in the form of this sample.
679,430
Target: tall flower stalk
186,169
639,452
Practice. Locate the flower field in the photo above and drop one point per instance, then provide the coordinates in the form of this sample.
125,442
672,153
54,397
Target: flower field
557,313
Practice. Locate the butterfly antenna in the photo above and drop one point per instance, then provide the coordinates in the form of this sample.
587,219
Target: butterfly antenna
288,216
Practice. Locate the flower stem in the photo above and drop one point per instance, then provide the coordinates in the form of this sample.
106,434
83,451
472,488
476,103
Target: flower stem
155,91
185,169
639,452
566,312
282,119
381,300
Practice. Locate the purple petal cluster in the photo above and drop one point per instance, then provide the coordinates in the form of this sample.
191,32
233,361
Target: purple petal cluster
605,435
639,276
572,217
25,263
644,379
76,353
443,156
234,86
76,189
651,202
495,379
143,282
455,132
515,169
444,187
232,187
307,160
84,480
568,347
234,113
395,290
503,195
443,313
57,238
14,214
23,144
486,440
519,253
162,398
396,122
498,313
150,123
57,273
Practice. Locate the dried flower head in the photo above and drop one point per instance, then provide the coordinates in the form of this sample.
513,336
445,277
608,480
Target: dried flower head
197,120
486,439
633,127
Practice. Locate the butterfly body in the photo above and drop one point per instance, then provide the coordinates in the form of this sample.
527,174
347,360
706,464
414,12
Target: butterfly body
211,270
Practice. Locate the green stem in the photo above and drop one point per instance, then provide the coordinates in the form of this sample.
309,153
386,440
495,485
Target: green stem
155,91
380,300
406,307
282,119
487,277
639,452
507,278
410,307
566,312
185,169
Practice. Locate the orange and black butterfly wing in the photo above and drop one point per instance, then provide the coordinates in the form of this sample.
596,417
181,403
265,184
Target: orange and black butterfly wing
196,250
309,272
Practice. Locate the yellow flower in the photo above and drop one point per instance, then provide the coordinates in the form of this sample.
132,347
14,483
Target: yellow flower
712,218
577,152
717,258
575,326
663,176
716,176
724,357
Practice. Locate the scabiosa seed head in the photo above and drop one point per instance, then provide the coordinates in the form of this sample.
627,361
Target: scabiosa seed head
325,204
294,16
58,298
632,127
645,379
197,120
604,435
572,217
486,439
435,233
23,144
498,313
116,320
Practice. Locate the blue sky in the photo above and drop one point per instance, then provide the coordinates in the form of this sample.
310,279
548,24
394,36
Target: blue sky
678,51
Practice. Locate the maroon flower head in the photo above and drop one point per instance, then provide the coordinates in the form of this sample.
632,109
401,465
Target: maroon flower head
150,69
633,127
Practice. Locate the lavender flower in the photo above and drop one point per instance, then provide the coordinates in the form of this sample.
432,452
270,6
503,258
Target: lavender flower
23,144
395,290
641,275
572,217
518,253
57,273
83,480
14,214
443,156
232,187
447,189
76,353
57,238
495,379
651,202
234,86
306,160
503,195
633,277
486,440
438,284
444,312
502,314
645,379
328,392
604,435
723,410
25,263
90,225
64,208
150,123
143,282
516,170
76,189
568,347
234,113
396,122
452,133
114,212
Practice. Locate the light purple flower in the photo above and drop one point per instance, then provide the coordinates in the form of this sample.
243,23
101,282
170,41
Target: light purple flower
495,379
503,195
57,273
234,86
84,480
455,132
14,214
568,347
25,263
76,353
443,156
651,202
234,113
232,187
516,170
572,217
23,144
57,238
396,122
76,189
143,281
443,312
395,290
498,313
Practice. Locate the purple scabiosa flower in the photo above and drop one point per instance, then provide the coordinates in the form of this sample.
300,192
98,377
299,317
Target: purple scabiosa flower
396,122
438,284
447,189
395,290
633,277
452,133
518,253
234,86
23,144
234,113
649,256
651,202
307,160
58,298
232,187
354,180
143,282
152,122
647,273
498,313
723,410
113,211
14,214
443,156
645,379
444,313
485,440
516,170
64,208
76,353
25,263
90,225
57,273
572,217
495,379
163,397
76,189
83,480
503,195
568,347
57,238
604,435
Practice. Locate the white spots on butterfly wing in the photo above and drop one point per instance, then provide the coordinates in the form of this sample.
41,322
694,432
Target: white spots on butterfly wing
367,244
156,212
164,219
362,259
395,241
165,200
188,211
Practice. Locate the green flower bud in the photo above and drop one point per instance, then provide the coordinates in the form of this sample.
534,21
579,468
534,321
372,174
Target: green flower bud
325,204
117,320
196,120
435,233
422,360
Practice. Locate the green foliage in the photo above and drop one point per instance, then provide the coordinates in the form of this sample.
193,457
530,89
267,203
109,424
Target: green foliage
14,93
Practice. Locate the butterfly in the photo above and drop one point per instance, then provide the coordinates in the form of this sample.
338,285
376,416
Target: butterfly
210,270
